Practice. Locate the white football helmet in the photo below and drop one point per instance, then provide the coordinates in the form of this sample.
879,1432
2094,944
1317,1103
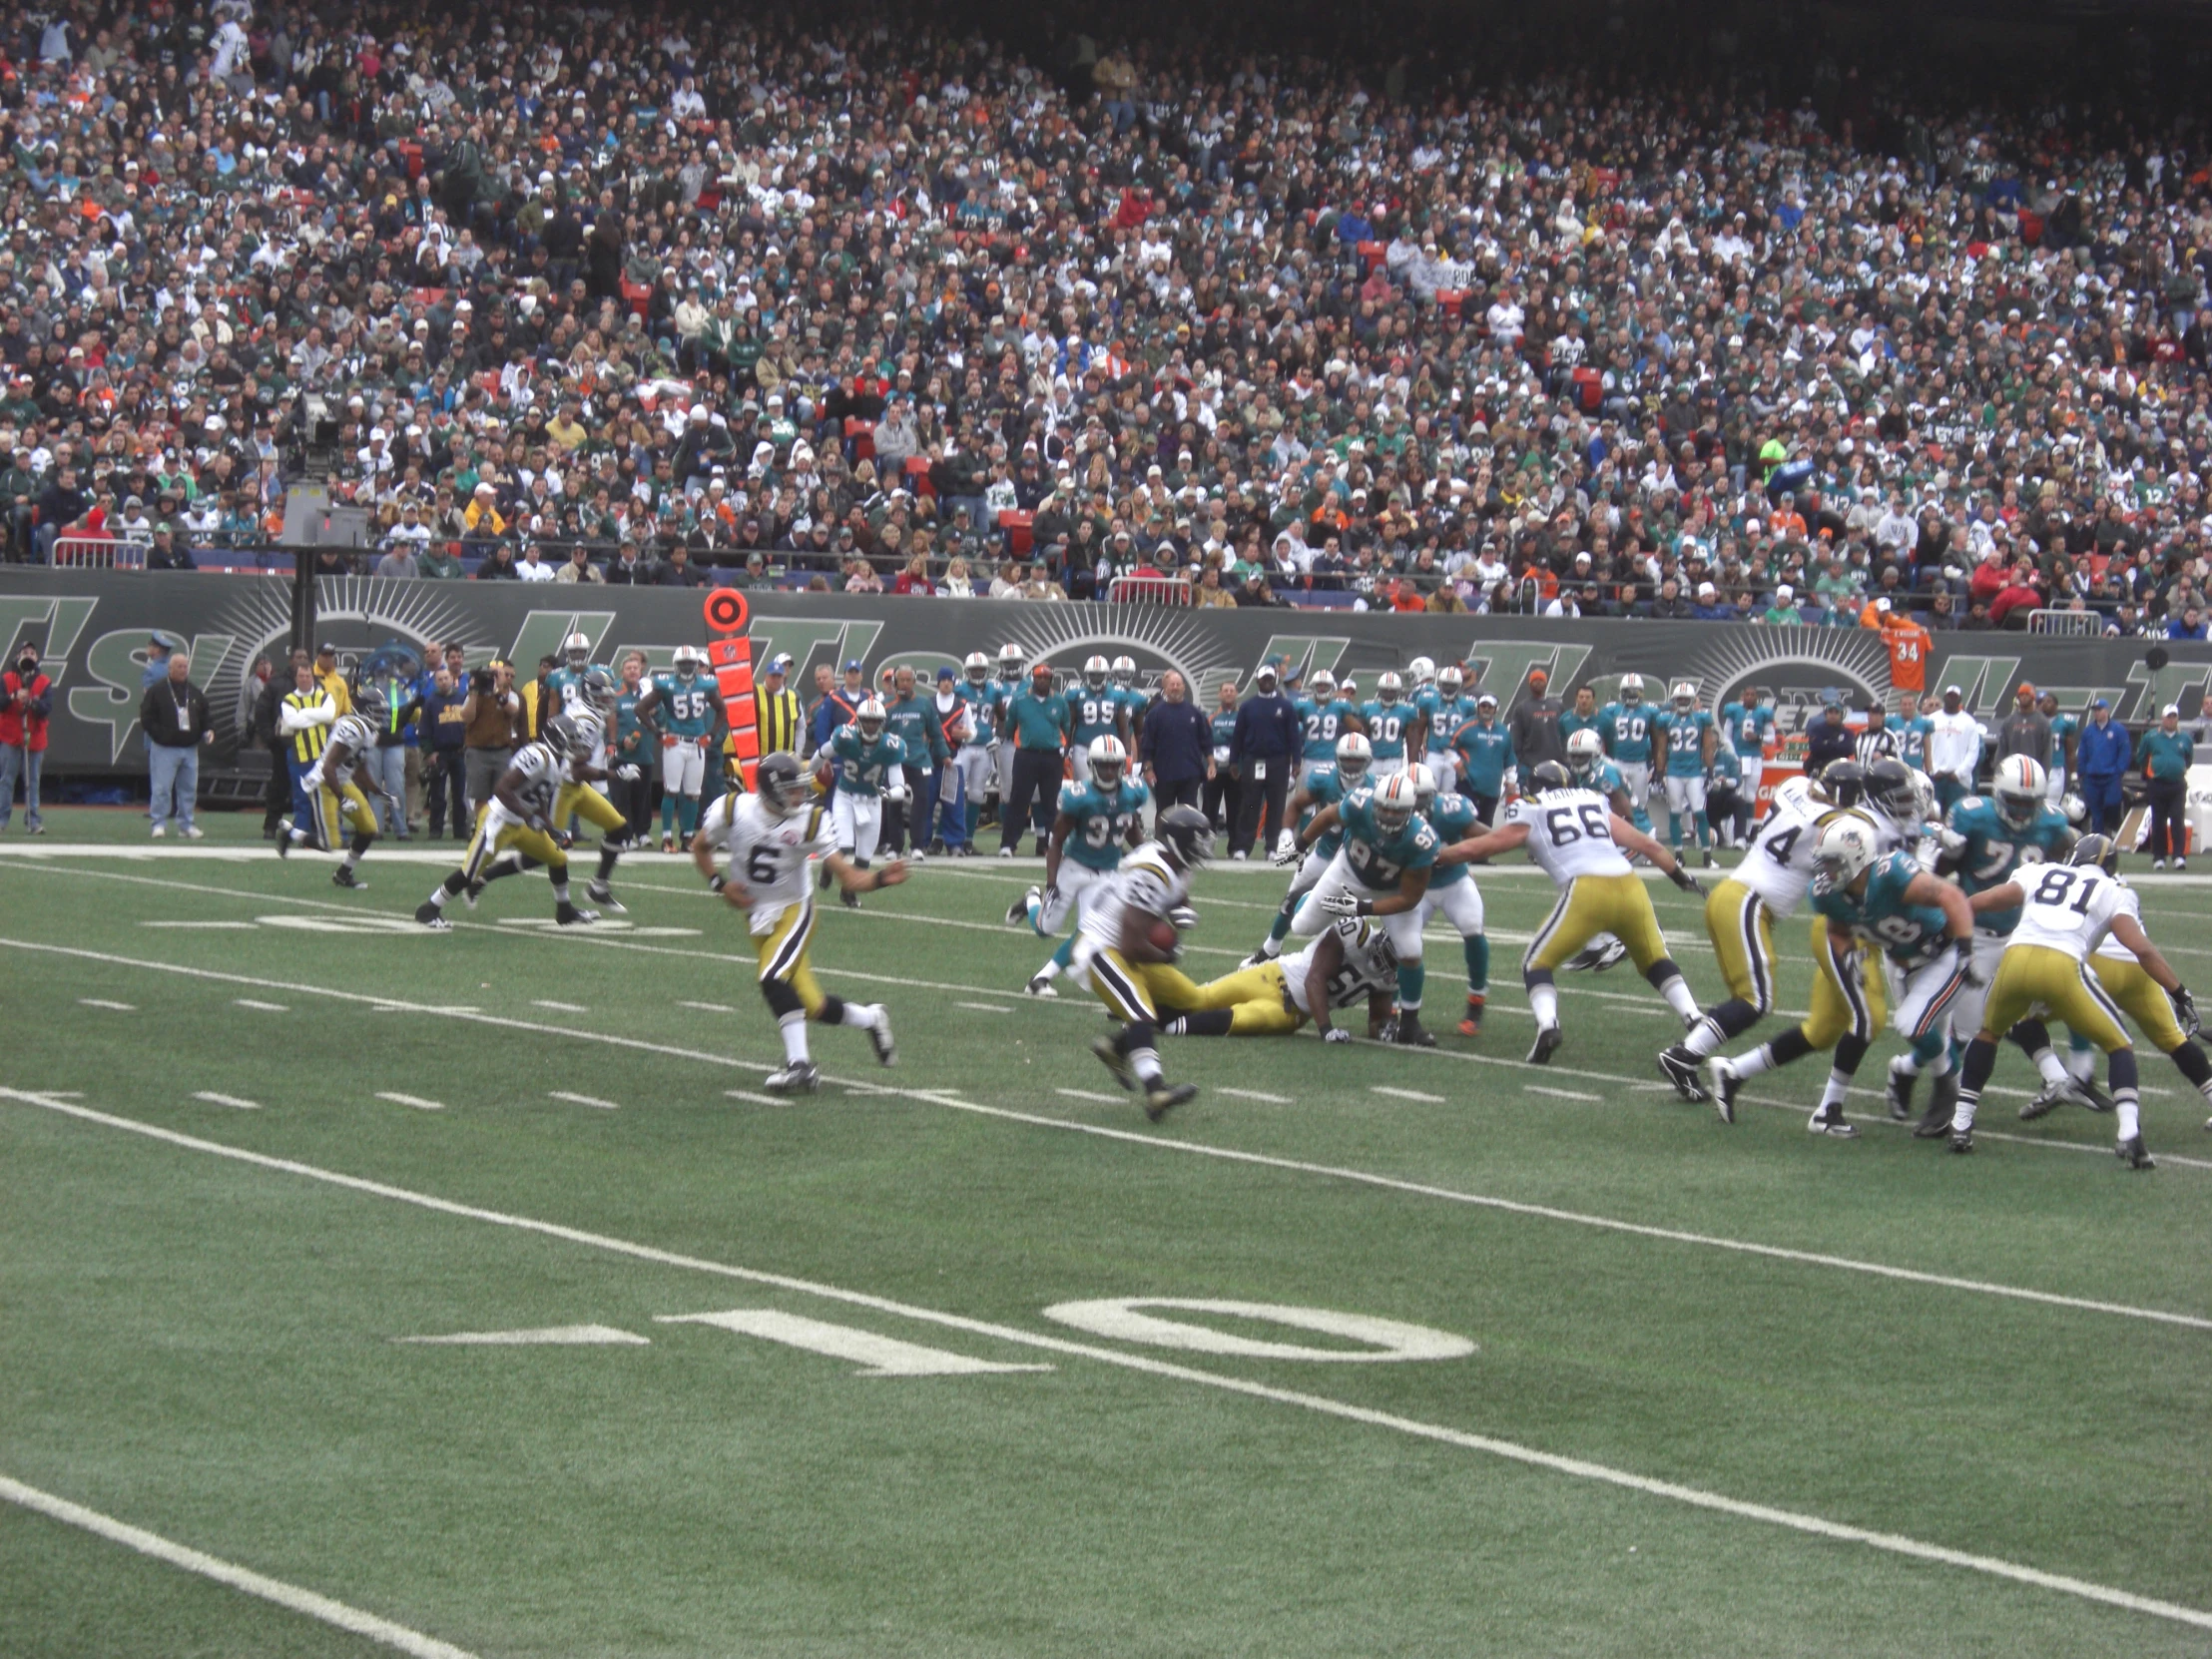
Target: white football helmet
1323,685
1125,671
1387,689
869,718
687,662
1845,851
1585,753
1684,696
1108,759
978,667
577,649
1095,672
1632,690
2020,789
1421,670
1353,756
1451,681
1012,660
1396,800
1424,785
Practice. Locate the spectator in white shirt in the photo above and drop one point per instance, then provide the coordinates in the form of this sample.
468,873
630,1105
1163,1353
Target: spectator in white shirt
1954,749
533,567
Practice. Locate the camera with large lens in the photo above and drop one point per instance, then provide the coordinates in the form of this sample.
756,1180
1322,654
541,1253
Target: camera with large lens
481,681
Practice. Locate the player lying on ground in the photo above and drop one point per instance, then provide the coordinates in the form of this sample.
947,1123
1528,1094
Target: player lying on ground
1353,963
766,840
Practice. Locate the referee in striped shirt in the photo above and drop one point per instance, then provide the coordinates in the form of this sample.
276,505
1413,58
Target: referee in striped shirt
1877,742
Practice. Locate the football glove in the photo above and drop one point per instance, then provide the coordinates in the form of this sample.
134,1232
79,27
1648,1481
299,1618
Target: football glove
562,839
628,773
1340,903
1285,855
896,793
1051,895
1686,881
1183,918
346,809
2185,1010
1335,1034
1974,975
1286,840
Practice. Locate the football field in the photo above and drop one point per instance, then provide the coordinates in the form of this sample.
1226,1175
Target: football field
364,1289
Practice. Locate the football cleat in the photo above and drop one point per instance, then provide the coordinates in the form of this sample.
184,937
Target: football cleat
2130,1152
568,915
2090,1097
1680,1067
668,844
2047,1100
1710,862
1006,853
603,895
1039,987
1596,958
1942,1098
1471,1024
1114,1061
284,838
1831,1121
851,899
1018,911
343,877
880,1039
1724,1086
824,876
1898,1094
432,917
1163,1098
799,1077
1411,1033
472,893
1961,1140
1548,1039
1259,958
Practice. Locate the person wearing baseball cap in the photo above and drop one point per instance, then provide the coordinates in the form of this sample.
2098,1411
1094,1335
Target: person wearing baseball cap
1534,725
1953,749
2166,753
2026,730
327,675
777,714
2101,756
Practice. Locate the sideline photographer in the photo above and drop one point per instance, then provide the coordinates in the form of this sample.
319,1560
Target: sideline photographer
489,718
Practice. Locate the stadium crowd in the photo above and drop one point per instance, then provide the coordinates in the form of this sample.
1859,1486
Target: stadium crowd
570,294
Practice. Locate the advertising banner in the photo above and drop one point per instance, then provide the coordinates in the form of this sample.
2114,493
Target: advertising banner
94,628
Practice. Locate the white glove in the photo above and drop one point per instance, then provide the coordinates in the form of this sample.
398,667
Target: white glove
1286,855
1183,918
1335,1034
628,773
1340,903
896,793
1285,842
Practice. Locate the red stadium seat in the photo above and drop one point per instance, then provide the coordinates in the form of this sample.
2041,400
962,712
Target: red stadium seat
1017,527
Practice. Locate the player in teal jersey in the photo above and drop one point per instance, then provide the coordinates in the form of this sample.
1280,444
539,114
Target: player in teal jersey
1582,716
1869,899
2065,729
865,763
1746,724
1586,759
1625,726
1096,708
1098,821
1326,717
566,686
1392,725
1451,890
987,704
1444,708
637,740
690,714
1686,732
1323,785
1731,794
1485,751
1382,871
1983,843
1132,699
1913,727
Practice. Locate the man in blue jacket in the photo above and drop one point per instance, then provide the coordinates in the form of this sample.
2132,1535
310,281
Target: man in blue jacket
1177,745
2102,755
1265,750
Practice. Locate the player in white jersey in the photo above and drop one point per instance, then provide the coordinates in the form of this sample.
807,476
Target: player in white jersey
765,841
333,790
518,828
1354,962
1578,840
1766,887
2065,912
1120,956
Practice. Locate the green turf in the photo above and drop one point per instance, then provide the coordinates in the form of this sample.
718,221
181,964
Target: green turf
204,1347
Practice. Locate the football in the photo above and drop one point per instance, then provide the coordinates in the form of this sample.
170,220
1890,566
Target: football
1163,935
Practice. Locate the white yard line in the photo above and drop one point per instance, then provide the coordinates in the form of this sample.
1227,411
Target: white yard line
1578,1469
985,1007
289,1596
952,1102
757,1099
558,1007
414,1100
261,1007
1257,1094
1406,1094
232,1100
1560,1094
103,1002
707,1007
203,926
582,1100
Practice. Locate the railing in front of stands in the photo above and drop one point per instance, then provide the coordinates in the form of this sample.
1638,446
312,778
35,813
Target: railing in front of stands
98,553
